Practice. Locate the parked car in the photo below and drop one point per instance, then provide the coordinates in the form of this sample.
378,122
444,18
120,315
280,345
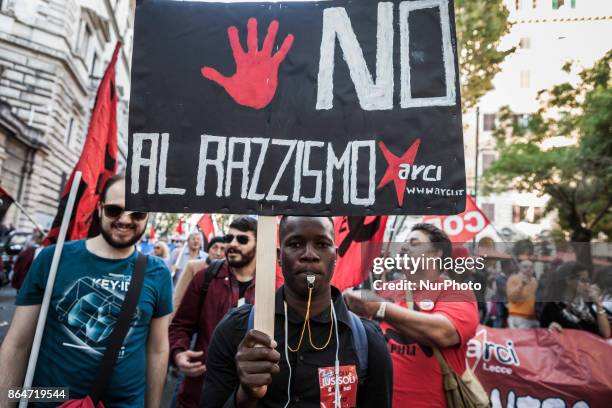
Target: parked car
10,247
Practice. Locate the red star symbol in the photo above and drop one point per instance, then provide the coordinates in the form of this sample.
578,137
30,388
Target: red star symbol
392,173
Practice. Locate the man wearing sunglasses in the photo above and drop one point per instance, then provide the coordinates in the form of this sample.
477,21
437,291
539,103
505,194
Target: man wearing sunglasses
92,281
207,298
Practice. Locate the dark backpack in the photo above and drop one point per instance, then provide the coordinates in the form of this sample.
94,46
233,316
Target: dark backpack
359,338
209,274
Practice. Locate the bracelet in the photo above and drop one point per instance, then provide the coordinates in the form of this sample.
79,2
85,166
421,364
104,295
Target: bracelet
380,313
601,311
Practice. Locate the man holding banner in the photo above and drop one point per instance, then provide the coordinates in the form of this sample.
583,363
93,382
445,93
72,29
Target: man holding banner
93,278
247,366
328,108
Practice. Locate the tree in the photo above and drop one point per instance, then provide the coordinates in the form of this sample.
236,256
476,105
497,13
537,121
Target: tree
577,176
165,224
480,25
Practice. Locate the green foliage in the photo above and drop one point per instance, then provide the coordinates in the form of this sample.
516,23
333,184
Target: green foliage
576,175
480,26
165,224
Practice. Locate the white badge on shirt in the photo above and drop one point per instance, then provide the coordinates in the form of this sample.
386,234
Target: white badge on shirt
426,304
241,301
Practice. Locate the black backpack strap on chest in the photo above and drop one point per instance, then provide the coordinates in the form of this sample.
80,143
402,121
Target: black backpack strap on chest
209,274
360,345
120,330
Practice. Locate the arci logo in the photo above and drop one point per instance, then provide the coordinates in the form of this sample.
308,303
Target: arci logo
378,94
425,172
481,349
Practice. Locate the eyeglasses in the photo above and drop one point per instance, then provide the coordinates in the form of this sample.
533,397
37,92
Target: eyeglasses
242,239
115,211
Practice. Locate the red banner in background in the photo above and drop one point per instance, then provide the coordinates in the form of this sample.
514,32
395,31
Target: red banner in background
179,227
538,368
98,162
352,233
461,227
207,227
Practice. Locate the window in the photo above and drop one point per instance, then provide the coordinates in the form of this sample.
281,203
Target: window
537,214
62,185
519,213
85,40
525,79
521,119
489,211
487,160
525,43
92,68
68,134
488,120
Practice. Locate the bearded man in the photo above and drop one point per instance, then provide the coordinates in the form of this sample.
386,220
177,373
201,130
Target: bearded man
213,291
92,281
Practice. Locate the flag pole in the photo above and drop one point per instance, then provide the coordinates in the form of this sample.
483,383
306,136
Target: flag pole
44,308
266,278
29,217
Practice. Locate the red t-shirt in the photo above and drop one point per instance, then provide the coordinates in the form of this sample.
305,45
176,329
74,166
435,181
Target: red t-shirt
417,375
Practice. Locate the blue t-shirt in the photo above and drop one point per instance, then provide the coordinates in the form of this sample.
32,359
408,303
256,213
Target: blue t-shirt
86,301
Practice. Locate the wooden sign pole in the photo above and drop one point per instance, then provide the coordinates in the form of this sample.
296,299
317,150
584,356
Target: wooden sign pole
44,307
265,274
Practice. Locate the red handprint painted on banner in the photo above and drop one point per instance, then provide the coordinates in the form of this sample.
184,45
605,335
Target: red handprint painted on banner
256,78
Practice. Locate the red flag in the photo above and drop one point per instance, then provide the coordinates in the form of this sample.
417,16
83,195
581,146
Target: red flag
207,227
179,227
98,162
461,227
5,202
152,234
359,240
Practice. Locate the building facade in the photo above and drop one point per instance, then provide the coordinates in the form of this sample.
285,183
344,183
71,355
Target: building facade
546,34
53,54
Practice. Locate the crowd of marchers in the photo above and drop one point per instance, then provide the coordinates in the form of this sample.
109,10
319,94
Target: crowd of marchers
192,332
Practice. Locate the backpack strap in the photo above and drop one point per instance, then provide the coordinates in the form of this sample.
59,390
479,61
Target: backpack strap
360,344
359,339
120,330
209,274
251,322
441,361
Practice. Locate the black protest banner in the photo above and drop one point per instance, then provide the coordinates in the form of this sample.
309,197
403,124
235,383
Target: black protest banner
333,107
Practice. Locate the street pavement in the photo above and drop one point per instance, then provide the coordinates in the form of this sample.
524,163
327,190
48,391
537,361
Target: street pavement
7,307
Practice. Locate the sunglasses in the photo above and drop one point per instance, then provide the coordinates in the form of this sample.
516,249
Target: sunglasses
242,239
114,212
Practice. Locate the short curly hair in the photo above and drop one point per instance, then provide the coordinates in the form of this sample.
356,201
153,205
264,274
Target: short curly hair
438,238
245,223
